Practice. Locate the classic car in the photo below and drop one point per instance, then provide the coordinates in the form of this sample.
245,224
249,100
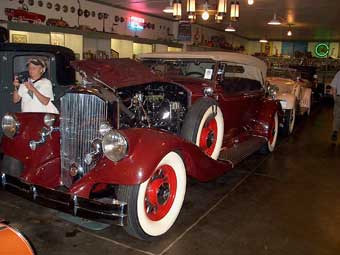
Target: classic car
14,58
22,14
127,137
12,241
57,22
294,93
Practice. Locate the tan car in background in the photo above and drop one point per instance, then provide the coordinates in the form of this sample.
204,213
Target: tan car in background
294,93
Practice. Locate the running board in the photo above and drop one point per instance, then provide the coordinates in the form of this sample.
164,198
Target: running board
242,150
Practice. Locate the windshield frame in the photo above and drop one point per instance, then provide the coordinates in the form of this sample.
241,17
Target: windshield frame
293,74
149,61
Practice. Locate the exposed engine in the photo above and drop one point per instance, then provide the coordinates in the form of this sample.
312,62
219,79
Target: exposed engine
160,106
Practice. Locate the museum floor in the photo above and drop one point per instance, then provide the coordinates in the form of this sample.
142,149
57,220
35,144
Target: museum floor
284,203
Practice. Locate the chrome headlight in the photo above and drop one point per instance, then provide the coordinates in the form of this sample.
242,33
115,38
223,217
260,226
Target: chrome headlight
49,119
272,90
9,125
114,145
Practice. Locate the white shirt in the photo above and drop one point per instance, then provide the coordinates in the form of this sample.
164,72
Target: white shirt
336,83
32,104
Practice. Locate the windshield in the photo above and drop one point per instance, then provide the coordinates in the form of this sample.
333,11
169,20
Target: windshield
284,73
203,69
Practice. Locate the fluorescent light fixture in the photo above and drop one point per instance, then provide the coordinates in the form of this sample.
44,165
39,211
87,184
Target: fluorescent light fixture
177,9
221,10
169,9
274,21
222,6
230,28
234,10
263,41
191,9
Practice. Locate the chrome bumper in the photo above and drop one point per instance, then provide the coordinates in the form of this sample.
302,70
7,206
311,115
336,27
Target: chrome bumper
114,212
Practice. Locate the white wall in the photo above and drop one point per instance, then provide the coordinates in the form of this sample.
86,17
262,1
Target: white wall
253,47
123,47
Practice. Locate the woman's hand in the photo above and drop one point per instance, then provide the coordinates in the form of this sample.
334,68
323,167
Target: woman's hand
29,86
16,83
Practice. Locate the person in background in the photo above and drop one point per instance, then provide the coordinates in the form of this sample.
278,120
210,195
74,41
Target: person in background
336,94
36,93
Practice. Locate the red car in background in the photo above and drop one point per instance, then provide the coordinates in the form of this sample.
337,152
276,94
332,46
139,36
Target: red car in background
22,14
127,138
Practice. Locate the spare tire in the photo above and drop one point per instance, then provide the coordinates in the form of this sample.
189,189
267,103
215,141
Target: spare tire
204,126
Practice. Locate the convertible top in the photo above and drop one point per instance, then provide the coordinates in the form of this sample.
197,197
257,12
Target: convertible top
257,71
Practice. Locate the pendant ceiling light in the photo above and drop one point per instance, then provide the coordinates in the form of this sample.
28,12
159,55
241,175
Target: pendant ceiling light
177,9
169,9
290,33
221,10
274,21
205,14
234,10
191,10
230,28
250,2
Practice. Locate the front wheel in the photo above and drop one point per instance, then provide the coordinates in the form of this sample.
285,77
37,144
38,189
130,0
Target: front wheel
154,205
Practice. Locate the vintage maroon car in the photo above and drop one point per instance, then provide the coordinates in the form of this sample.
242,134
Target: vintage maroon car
22,14
127,138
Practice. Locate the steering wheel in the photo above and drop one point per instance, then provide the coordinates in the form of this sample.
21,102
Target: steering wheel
194,73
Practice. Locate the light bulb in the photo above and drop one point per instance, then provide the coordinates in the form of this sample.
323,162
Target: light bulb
250,2
205,15
289,33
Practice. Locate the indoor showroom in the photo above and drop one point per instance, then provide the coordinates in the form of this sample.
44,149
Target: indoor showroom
169,127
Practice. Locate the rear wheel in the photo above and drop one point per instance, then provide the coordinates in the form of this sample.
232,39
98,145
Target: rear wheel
154,205
272,136
204,126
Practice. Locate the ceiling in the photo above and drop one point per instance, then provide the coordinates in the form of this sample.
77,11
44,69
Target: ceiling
312,20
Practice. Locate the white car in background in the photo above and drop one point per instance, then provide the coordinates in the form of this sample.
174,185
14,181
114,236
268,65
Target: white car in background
294,93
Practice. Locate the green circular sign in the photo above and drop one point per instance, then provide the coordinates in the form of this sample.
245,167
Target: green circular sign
322,50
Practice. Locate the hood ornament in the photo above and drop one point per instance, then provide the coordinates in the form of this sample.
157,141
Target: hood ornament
84,79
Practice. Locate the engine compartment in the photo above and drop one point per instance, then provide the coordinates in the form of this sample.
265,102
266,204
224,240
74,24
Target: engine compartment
156,105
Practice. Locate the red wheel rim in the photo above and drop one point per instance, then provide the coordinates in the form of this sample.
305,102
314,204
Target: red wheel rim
160,193
208,136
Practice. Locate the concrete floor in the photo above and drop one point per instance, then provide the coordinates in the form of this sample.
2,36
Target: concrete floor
284,203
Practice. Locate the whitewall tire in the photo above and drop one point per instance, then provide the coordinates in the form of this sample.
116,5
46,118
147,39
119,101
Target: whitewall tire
154,205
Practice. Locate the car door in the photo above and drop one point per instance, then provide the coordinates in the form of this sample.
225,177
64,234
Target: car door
233,102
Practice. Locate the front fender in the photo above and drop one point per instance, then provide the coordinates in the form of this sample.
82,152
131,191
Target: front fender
146,148
41,166
265,115
289,99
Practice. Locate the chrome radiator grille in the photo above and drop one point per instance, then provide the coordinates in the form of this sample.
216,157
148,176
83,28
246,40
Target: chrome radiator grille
80,117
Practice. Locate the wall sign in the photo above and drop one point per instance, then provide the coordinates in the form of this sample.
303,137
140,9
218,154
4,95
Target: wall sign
184,31
136,23
322,50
